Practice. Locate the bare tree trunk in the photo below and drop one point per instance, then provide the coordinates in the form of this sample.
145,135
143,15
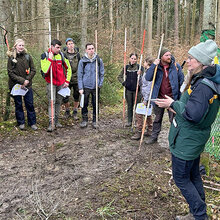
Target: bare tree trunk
182,19
99,14
158,18
142,17
176,23
208,15
162,17
33,17
218,24
149,32
187,25
83,24
166,20
111,28
193,22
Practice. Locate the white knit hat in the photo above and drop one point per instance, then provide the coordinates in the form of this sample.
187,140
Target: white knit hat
204,52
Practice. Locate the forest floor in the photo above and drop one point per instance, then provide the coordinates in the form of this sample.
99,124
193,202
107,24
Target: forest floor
85,174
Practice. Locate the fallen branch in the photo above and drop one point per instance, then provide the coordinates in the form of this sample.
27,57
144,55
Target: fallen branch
211,183
208,187
131,165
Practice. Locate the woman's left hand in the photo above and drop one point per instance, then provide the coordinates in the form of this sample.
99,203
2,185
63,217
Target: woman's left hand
139,72
164,103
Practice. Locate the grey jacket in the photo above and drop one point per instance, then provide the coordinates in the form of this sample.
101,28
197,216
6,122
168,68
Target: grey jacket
146,87
87,73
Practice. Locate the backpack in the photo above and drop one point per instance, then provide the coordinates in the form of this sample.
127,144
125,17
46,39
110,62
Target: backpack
46,54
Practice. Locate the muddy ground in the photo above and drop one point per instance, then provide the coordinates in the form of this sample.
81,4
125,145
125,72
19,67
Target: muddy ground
85,174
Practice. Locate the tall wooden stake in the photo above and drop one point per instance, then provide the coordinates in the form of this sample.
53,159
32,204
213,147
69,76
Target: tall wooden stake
51,83
152,86
97,91
124,76
138,79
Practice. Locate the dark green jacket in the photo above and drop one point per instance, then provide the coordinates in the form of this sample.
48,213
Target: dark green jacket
74,60
195,112
20,71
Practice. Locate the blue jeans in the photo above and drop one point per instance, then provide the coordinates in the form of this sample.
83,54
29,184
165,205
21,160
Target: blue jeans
29,104
187,178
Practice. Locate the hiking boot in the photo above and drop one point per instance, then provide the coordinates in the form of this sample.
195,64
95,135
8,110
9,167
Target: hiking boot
136,136
21,127
83,124
67,113
147,133
34,127
75,115
128,124
151,140
186,217
58,125
94,125
50,128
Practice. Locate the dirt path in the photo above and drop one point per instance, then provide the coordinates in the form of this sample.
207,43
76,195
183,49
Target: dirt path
73,173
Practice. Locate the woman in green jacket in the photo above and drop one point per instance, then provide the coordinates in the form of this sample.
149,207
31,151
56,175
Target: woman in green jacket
195,112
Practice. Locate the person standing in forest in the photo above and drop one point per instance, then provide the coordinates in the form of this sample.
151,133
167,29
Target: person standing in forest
61,73
87,81
169,78
130,83
21,71
145,92
195,112
72,53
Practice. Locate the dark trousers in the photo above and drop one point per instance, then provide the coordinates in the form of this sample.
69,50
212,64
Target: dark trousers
87,93
130,98
29,104
159,112
187,178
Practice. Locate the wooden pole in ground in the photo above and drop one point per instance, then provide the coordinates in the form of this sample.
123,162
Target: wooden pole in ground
152,86
138,79
124,76
51,83
96,69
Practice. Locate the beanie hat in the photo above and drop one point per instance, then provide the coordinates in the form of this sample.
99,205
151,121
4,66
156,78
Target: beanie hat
69,39
204,52
163,51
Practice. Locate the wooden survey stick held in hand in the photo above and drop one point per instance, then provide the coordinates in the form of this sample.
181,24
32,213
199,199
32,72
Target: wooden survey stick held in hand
124,76
152,86
138,79
51,82
96,70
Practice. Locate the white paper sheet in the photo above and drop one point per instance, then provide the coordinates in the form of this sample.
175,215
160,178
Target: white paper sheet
141,109
64,92
17,90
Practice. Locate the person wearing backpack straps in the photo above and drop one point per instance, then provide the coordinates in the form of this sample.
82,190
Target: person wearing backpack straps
73,56
61,71
87,81
169,78
21,71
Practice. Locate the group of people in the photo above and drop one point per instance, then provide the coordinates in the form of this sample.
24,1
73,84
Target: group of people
191,113
67,70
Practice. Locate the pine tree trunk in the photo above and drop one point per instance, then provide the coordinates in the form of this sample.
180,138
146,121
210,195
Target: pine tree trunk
142,16
149,32
176,23
99,14
192,35
218,23
158,18
83,24
187,25
111,28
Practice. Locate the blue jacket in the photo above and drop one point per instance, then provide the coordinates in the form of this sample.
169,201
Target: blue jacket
176,78
87,73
